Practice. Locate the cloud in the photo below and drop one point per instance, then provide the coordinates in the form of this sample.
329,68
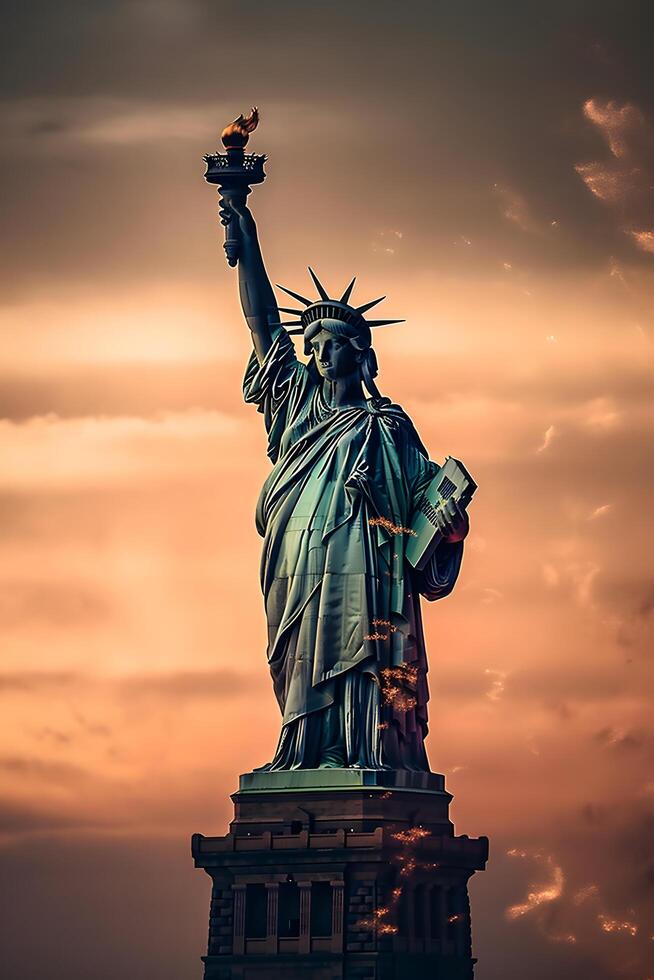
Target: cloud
540,894
566,908
645,605
600,511
47,770
548,436
516,209
91,727
621,126
609,184
644,240
624,180
173,685
56,604
50,452
127,389
36,680
496,690
48,734
576,683
620,739
61,123
582,576
182,685
18,819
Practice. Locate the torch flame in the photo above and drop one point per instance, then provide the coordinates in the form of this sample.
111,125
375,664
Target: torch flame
238,132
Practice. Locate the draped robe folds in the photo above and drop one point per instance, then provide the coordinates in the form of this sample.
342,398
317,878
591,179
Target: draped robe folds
341,601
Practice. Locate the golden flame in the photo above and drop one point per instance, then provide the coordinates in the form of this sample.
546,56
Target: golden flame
617,925
549,892
238,132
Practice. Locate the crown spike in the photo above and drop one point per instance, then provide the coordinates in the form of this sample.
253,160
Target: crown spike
345,298
300,299
317,283
287,309
382,323
291,323
369,306
294,333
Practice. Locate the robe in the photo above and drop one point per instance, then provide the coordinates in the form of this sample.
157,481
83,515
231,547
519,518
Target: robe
346,648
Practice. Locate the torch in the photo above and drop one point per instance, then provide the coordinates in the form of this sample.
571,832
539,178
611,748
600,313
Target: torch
235,170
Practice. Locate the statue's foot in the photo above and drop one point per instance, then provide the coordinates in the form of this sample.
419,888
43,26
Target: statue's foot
332,760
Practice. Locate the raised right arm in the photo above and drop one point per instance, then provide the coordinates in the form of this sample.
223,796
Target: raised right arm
257,297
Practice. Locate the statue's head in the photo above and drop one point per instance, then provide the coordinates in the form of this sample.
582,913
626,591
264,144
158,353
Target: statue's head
340,349
336,335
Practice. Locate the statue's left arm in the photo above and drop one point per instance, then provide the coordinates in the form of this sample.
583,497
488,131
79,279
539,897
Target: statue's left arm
438,577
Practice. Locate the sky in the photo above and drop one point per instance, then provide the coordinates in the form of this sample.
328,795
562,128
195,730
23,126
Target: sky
488,167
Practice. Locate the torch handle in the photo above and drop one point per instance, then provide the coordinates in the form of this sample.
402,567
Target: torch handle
230,218
232,243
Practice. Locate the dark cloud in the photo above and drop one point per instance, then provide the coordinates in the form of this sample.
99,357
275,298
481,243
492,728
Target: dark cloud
633,840
181,685
20,819
120,389
176,685
48,734
90,727
48,770
621,740
57,604
594,813
452,93
145,881
36,680
645,605
624,180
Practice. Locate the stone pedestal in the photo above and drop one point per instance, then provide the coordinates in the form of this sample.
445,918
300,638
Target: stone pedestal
347,874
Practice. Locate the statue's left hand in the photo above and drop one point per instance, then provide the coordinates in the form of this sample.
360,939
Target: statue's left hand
453,522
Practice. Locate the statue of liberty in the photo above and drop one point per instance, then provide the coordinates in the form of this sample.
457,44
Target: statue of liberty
346,648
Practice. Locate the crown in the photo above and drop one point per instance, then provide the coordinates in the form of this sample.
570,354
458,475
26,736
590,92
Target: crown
324,307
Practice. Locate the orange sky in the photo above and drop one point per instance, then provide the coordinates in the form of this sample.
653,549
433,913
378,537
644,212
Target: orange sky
503,208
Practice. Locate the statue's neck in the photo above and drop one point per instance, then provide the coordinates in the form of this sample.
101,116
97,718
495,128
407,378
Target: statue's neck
344,392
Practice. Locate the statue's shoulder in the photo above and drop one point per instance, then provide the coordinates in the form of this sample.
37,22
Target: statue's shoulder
399,424
388,410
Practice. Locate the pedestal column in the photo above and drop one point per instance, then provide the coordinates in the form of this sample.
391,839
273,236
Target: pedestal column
239,919
442,919
338,890
272,915
304,945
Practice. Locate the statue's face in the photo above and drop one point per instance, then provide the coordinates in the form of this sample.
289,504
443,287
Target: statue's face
335,357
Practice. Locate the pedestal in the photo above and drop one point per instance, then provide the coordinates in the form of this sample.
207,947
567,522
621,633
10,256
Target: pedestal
340,873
